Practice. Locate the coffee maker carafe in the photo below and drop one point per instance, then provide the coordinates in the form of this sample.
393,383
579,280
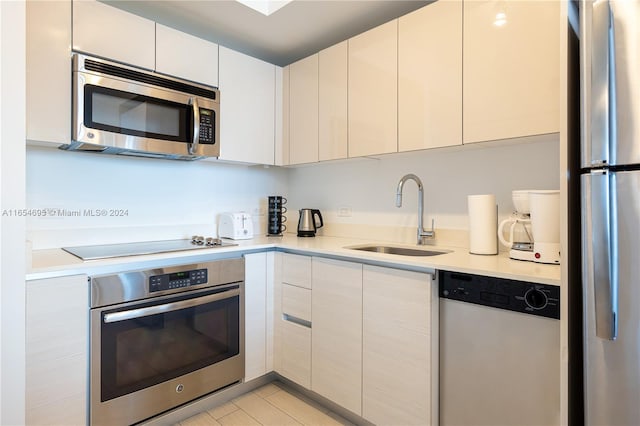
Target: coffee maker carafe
520,239
534,228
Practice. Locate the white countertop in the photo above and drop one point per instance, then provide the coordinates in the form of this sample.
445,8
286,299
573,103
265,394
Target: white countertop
56,262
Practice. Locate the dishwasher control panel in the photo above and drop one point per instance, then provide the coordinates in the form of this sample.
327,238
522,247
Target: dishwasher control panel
519,296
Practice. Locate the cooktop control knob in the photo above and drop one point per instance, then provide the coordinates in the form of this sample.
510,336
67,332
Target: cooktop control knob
210,241
535,299
197,239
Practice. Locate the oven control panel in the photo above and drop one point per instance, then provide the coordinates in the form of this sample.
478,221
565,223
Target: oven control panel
174,280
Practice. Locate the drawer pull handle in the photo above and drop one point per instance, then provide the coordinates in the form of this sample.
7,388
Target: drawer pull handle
296,320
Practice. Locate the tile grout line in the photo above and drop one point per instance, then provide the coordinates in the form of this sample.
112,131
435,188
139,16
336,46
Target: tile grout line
279,409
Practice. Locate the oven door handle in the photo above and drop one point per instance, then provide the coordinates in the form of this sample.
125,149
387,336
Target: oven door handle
168,307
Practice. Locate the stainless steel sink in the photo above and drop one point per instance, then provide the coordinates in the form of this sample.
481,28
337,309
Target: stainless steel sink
401,251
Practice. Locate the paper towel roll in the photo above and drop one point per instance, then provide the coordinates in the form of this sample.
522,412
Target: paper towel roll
483,224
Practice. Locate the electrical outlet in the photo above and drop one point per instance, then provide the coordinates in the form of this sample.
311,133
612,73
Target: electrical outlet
344,212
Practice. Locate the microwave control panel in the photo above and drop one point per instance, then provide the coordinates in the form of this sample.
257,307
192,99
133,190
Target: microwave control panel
207,120
177,280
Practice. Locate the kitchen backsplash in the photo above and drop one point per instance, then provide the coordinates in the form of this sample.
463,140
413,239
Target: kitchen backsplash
98,199
102,199
358,197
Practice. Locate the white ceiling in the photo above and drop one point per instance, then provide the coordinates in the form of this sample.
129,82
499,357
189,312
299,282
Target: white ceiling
293,32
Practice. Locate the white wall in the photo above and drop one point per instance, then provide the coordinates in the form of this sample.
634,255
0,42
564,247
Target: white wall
173,199
163,199
368,186
12,244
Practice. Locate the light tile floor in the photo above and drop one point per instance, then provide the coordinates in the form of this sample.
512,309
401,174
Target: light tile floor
271,405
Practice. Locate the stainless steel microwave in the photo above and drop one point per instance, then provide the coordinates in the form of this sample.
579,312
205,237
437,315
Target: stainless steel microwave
119,109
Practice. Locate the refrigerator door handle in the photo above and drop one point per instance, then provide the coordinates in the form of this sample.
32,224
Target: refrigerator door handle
595,25
598,251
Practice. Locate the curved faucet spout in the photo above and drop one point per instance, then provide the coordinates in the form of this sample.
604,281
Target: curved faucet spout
422,234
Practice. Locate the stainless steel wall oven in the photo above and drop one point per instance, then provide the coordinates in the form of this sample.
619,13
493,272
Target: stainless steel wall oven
163,337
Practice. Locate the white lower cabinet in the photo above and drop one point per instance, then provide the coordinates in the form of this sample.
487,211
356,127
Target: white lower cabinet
398,347
364,337
57,321
336,338
292,321
255,315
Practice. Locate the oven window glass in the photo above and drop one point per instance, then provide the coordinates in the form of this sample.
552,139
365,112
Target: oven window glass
136,115
141,352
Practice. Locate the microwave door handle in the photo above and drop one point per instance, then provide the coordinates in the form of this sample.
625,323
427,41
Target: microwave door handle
168,307
193,146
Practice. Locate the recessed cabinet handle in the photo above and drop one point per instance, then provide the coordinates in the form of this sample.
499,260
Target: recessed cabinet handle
296,320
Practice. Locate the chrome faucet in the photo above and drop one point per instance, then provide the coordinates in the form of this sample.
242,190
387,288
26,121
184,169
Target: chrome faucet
423,235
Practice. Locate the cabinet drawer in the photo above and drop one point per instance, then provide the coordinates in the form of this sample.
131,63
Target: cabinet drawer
296,302
296,353
296,270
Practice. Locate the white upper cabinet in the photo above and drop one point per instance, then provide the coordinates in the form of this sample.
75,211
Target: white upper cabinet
511,69
303,110
373,91
282,116
111,33
247,120
430,77
48,60
183,55
332,120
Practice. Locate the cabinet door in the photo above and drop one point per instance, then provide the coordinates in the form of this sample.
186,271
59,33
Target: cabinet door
430,77
57,330
511,69
332,114
296,353
303,111
247,93
397,356
336,341
296,270
48,71
255,315
185,56
373,91
111,33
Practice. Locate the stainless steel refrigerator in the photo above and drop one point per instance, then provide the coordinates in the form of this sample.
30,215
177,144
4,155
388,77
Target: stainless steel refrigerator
610,197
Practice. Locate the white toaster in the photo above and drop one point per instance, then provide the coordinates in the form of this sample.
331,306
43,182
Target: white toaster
237,226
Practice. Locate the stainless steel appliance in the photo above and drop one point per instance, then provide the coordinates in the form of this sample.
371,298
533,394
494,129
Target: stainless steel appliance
106,251
163,337
308,222
610,197
499,351
119,109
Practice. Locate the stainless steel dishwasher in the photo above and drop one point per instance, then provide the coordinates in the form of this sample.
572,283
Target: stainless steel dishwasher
499,351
